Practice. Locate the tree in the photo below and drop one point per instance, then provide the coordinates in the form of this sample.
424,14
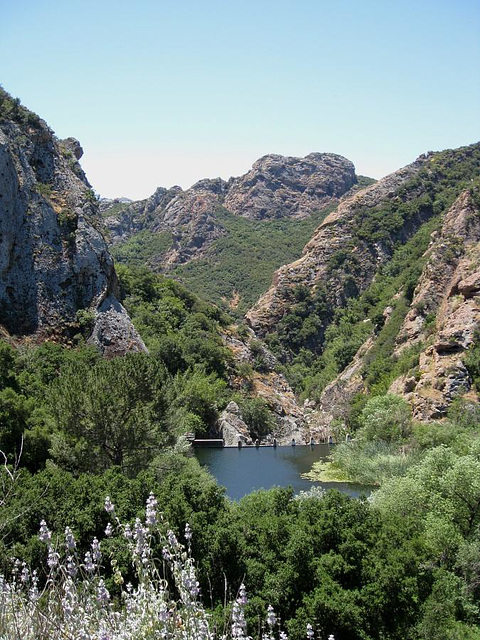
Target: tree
110,414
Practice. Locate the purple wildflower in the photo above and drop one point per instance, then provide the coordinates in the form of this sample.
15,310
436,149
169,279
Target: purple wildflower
69,539
271,617
45,535
109,506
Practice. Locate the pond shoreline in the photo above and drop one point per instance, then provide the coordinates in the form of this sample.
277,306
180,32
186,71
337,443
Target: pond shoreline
244,470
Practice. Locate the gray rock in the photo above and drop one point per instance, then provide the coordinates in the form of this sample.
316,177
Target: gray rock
275,187
113,331
279,187
53,258
231,427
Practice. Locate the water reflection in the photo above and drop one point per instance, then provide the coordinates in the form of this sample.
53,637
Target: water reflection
245,470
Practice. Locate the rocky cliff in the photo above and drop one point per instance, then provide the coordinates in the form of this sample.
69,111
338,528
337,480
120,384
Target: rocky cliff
440,326
444,315
278,186
337,255
264,381
423,329
54,262
275,187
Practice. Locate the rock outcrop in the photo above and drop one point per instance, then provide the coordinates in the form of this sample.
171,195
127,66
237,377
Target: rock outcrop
275,187
442,321
278,186
231,427
444,314
334,235
266,382
54,261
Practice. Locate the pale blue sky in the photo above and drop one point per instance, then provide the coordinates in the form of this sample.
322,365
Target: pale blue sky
162,93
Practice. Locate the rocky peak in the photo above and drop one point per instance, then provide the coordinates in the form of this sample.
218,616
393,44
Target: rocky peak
275,187
215,185
53,259
278,186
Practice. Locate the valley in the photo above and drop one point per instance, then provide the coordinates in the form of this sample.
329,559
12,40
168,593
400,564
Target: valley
297,301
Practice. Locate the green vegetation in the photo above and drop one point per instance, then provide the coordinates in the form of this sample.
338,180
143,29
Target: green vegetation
315,342
75,428
89,414
361,571
243,261
380,571
115,208
141,247
315,354
12,109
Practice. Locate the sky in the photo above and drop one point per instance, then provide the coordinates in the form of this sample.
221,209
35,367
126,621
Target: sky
168,92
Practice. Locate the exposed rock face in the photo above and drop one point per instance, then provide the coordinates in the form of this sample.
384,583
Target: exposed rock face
114,332
53,260
231,426
270,385
278,186
337,396
334,235
134,216
444,314
275,187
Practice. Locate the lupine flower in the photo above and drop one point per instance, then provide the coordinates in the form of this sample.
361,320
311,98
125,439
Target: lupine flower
103,595
151,513
190,582
45,535
330,637
33,593
109,506
166,554
96,554
141,549
238,621
53,558
271,617
71,566
25,575
69,599
69,539
109,530
310,633
77,603
242,595
88,562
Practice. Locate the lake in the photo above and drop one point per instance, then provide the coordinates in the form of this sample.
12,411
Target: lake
242,471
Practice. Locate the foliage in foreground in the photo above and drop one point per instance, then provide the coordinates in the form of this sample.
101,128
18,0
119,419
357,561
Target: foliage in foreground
75,602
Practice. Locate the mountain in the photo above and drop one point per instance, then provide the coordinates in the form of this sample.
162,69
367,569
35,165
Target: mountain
56,273
384,297
243,228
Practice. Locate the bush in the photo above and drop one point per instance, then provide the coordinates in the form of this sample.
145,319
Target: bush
257,416
385,418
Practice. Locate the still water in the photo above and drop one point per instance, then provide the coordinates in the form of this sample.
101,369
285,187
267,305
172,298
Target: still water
245,470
